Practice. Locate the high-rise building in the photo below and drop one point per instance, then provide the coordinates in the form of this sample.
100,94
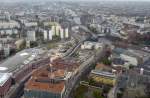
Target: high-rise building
53,30
45,35
61,33
50,33
66,33
58,30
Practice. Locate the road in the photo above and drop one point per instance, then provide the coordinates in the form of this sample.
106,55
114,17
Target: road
88,31
84,66
82,69
146,67
17,90
111,93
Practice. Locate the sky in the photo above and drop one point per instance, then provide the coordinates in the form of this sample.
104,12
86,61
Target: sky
69,0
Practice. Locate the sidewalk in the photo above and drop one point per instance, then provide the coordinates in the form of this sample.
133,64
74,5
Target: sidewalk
111,93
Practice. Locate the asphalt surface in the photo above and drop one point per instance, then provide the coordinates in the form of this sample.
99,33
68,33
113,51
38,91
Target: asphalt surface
146,67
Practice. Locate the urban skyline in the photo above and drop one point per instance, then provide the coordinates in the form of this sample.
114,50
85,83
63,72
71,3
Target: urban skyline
72,0
74,49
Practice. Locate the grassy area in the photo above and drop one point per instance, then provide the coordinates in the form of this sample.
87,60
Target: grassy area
97,93
79,92
94,90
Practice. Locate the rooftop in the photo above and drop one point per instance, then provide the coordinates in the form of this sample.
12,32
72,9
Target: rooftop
3,78
51,87
103,73
20,59
51,78
66,64
45,72
46,79
103,67
132,52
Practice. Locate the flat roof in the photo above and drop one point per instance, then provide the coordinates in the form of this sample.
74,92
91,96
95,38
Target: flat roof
50,87
103,73
66,64
40,80
19,59
4,77
131,52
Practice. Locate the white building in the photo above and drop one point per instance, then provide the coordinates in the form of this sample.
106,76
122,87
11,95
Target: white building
8,24
30,24
50,34
53,30
58,30
91,45
66,33
129,59
61,33
9,32
45,35
7,50
31,35
87,45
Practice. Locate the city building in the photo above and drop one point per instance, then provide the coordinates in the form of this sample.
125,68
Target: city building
17,68
54,29
5,83
62,34
45,84
91,45
30,24
5,48
130,56
104,74
19,43
50,33
51,81
31,35
45,35
66,33
9,24
103,77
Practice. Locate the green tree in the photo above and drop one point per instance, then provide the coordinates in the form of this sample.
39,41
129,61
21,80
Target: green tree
119,95
91,81
97,94
131,67
79,92
106,61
